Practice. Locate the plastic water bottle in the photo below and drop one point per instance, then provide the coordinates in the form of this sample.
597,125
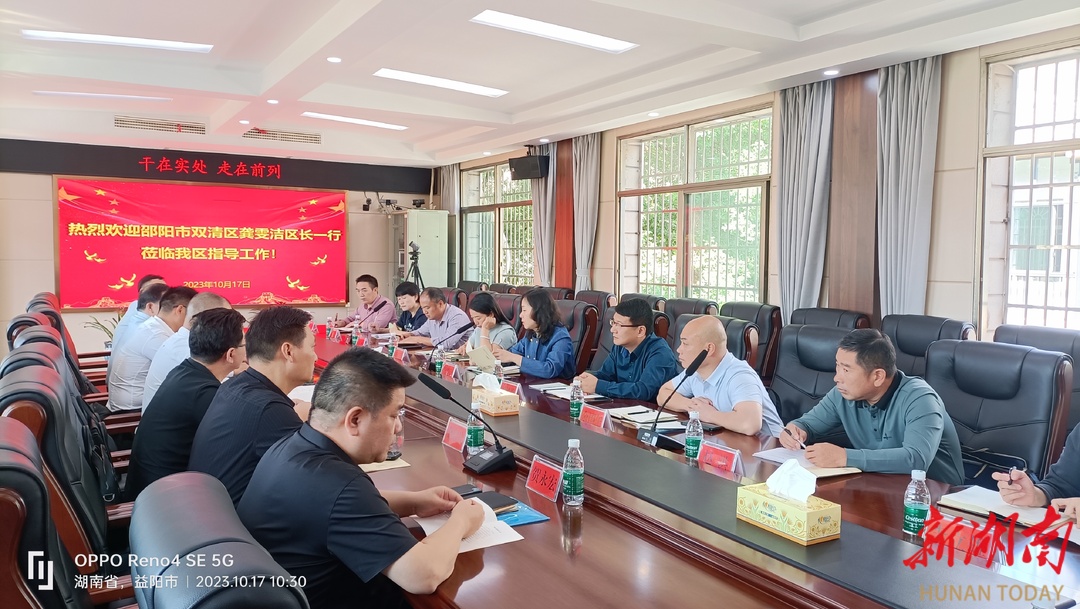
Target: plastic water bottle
437,360
694,435
573,478
499,371
329,326
577,400
916,503
392,345
474,438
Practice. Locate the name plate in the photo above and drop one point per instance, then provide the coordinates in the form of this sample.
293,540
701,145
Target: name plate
721,457
360,339
597,417
455,433
449,371
545,478
401,356
335,335
510,387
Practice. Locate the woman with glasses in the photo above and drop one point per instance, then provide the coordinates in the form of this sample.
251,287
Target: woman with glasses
492,327
546,351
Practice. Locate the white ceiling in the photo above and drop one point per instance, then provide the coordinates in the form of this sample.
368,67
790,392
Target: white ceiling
691,54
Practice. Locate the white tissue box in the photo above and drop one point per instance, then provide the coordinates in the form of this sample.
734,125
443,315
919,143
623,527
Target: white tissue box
808,523
495,403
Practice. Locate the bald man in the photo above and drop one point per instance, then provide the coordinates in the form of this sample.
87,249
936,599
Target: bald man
175,349
725,390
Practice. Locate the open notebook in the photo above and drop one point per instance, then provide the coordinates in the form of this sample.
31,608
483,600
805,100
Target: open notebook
780,455
983,502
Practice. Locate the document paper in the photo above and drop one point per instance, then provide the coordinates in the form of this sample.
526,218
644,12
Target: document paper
493,532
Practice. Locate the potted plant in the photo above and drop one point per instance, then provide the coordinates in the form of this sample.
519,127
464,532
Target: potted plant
107,325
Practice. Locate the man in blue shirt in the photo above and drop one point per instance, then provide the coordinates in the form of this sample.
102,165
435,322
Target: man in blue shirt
445,327
725,390
639,363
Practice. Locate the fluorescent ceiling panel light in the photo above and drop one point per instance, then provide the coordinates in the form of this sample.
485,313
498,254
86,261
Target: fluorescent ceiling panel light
487,154
245,122
552,31
444,83
123,41
544,140
654,114
831,72
102,95
354,121
333,59
271,101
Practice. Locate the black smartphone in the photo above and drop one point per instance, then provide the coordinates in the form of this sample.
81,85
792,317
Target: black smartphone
466,490
710,427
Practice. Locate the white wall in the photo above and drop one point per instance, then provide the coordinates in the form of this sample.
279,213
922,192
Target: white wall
28,250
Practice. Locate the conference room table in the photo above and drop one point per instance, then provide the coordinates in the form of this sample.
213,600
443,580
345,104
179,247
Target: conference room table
657,530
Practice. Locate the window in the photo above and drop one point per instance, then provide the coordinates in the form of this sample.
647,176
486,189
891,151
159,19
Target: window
693,201
497,226
1031,232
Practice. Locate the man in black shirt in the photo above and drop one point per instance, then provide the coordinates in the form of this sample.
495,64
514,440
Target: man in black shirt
163,444
321,517
253,410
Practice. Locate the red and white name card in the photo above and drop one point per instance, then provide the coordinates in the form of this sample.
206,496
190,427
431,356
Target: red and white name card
597,417
449,371
335,335
314,326
401,356
510,387
361,340
720,457
455,433
545,478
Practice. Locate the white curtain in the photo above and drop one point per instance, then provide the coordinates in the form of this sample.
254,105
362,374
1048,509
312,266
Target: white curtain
803,168
586,205
909,100
543,209
450,187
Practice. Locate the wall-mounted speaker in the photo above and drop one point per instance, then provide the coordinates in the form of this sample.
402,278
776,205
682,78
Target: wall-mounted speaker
528,167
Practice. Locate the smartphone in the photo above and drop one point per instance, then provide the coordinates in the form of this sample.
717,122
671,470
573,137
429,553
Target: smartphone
710,427
466,490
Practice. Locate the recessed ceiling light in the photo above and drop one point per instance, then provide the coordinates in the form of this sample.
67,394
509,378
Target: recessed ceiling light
544,140
654,114
245,122
333,59
354,121
444,83
271,101
123,41
102,95
831,72
551,31
487,154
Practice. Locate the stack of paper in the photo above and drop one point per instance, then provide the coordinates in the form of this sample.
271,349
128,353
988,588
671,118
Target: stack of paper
781,455
492,533
639,414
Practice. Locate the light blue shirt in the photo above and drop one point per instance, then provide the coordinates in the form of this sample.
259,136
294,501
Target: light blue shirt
174,350
130,320
732,382
502,335
444,332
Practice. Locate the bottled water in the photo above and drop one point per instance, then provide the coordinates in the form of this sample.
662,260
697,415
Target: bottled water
329,326
573,489
916,503
577,400
437,360
392,345
474,438
694,435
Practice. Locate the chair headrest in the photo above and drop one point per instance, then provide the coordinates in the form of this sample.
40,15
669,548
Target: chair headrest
816,345
988,370
46,334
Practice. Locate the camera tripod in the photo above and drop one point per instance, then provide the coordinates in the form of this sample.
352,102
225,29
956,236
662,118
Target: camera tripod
413,274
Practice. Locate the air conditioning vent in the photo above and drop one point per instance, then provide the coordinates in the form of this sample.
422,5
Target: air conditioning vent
159,124
256,133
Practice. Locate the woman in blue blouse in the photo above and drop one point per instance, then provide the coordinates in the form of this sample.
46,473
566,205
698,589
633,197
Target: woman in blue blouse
546,351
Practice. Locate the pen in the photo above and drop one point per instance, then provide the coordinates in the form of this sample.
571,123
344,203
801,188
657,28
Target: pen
801,445
1011,470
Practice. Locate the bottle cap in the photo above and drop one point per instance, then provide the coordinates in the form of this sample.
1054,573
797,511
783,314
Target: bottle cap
918,474
573,443
695,415
577,382
476,405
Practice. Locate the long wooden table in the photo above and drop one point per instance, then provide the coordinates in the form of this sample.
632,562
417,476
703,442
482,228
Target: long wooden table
657,532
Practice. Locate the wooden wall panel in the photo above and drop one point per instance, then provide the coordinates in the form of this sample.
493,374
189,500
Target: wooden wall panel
564,215
851,259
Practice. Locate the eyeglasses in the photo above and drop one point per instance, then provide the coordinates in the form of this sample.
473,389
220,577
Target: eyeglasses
615,324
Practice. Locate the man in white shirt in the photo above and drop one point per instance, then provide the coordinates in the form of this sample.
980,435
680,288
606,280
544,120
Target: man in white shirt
144,282
140,310
175,348
131,363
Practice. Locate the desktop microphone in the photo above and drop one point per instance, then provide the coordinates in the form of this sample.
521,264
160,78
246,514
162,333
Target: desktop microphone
492,458
360,323
650,436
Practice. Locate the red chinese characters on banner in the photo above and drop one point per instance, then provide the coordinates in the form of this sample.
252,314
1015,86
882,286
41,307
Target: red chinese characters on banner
170,167
254,246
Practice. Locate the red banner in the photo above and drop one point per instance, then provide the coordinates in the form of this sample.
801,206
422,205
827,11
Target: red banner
254,246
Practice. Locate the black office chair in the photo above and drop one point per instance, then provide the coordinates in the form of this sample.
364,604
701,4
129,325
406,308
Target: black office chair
768,320
456,297
675,307
190,514
23,321
1005,399
580,320
805,368
742,337
1049,339
511,308
656,302
502,288
836,318
911,335
472,286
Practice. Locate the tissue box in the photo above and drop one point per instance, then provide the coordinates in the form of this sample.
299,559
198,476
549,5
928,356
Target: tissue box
495,403
815,521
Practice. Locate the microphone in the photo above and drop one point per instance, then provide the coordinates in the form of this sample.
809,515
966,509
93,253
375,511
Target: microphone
650,436
373,311
492,458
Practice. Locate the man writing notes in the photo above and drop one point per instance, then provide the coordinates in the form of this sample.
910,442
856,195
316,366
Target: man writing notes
725,390
321,517
446,326
640,361
375,311
896,423
1060,488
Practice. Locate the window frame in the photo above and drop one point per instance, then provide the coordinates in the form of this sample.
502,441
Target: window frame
496,209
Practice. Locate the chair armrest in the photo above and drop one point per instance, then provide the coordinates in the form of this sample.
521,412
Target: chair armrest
123,590
119,514
93,354
127,416
121,427
91,398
